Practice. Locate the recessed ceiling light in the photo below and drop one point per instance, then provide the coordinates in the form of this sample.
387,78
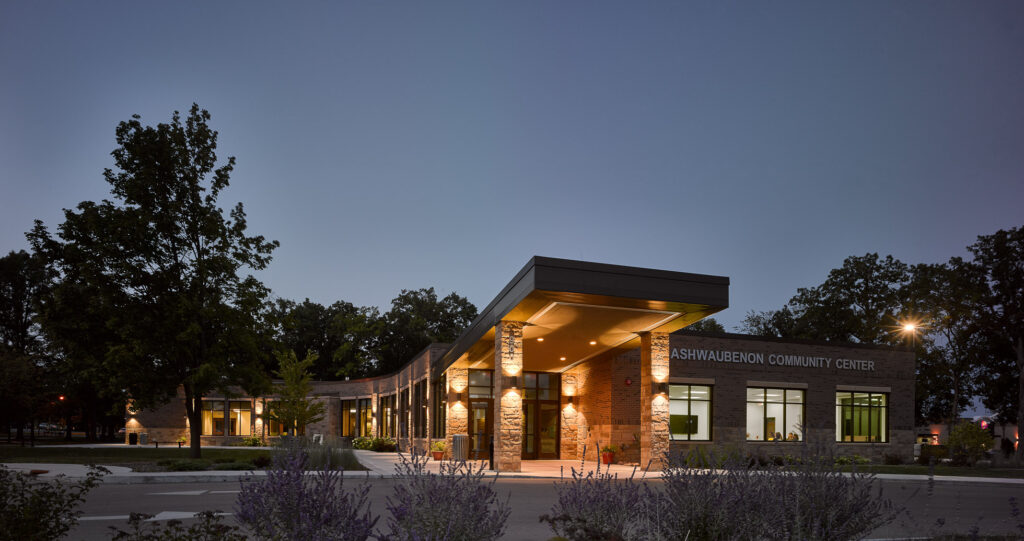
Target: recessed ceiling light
540,339
561,358
593,342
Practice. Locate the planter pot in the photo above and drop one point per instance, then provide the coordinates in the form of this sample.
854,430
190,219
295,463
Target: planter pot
438,455
607,458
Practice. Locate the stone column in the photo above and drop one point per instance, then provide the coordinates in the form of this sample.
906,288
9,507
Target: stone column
654,368
508,403
457,420
569,417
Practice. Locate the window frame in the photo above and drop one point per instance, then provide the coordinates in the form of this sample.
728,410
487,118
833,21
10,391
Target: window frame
689,410
785,402
841,410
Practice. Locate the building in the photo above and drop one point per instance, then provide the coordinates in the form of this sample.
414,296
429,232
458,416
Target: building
574,355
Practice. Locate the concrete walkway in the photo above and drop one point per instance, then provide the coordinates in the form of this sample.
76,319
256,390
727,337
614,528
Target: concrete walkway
382,465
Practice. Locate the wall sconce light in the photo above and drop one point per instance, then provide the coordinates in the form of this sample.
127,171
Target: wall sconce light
455,396
659,387
570,399
511,382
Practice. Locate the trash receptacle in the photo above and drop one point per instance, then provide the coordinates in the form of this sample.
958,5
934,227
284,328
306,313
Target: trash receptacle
143,437
460,447
133,439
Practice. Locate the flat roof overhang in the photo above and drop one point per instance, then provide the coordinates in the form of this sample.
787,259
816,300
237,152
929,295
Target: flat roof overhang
568,304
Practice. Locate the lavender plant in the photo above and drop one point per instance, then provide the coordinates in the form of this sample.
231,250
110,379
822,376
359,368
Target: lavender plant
455,504
34,509
598,505
287,505
806,499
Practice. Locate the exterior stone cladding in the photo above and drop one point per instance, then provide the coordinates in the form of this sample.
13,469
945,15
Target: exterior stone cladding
891,371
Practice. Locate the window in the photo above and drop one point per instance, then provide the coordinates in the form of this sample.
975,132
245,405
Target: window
388,416
689,412
775,414
862,417
403,413
349,418
241,417
439,407
365,417
419,409
213,418
479,383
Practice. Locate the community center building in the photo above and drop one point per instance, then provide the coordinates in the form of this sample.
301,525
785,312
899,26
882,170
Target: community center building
572,355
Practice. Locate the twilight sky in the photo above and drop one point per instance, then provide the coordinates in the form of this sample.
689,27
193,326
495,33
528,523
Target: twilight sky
392,145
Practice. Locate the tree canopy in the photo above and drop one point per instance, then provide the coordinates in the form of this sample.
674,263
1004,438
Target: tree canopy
170,264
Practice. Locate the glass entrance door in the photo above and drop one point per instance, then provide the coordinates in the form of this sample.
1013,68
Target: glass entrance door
541,419
479,429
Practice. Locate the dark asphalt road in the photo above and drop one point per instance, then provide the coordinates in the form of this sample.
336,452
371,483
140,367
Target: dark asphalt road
961,505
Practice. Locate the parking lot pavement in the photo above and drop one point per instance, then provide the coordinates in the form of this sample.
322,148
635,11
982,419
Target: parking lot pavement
961,505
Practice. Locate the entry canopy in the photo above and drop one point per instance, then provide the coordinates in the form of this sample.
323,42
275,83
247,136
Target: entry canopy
577,310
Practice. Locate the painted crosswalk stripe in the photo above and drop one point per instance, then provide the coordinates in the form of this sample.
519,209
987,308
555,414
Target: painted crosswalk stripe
181,493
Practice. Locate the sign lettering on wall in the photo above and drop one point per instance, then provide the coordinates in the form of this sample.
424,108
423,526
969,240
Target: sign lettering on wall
771,359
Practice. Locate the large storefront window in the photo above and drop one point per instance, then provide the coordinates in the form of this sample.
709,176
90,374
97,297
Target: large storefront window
241,417
213,418
388,415
419,409
349,418
775,414
862,417
689,412
365,417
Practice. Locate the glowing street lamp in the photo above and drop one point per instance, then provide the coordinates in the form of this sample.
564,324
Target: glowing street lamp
911,328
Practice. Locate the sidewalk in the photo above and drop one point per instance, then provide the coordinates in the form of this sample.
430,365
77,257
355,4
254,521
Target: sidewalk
382,466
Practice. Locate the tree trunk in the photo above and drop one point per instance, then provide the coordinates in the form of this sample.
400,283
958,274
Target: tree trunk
194,410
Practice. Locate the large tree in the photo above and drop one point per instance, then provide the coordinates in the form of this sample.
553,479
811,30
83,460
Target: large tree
944,300
23,282
858,302
171,265
416,319
1001,259
342,335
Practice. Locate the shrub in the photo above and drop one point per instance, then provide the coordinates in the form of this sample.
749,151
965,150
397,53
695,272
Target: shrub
597,505
209,528
843,461
261,461
610,449
808,499
284,506
188,465
384,445
932,452
363,443
43,510
892,459
252,441
860,460
438,446
455,504
970,441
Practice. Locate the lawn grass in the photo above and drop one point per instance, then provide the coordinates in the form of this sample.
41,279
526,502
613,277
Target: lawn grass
940,470
115,456
138,458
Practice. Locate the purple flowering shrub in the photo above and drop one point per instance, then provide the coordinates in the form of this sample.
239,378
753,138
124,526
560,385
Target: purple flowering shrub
599,505
807,498
289,505
455,504
728,497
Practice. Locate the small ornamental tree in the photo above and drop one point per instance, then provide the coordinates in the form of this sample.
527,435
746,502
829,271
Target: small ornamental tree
294,408
969,440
